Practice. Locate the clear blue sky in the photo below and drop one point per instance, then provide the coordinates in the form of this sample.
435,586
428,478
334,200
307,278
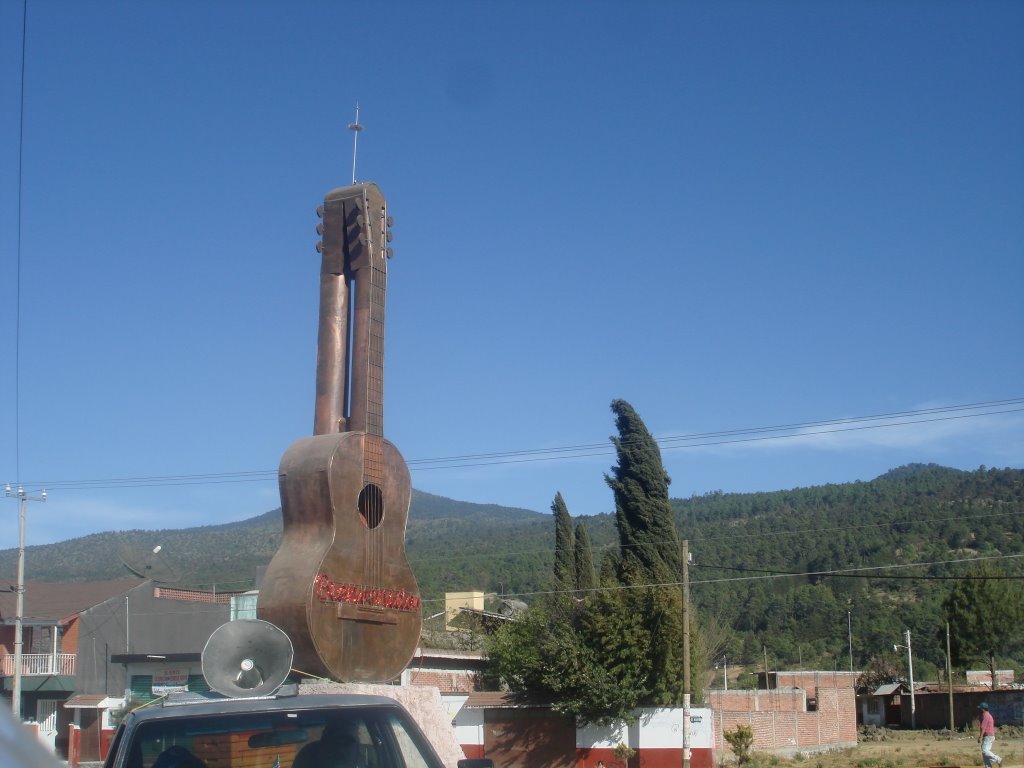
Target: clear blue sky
733,215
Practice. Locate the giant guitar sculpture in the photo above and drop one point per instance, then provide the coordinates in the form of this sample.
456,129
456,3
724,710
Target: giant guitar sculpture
340,584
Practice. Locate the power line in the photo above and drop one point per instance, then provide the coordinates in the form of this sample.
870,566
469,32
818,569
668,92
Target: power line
862,571
758,535
859,572
761,534
672,442
856,572
701,442
212,478
703,436
836,529
860,576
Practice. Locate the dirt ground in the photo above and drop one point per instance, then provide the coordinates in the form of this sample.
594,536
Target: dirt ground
906,749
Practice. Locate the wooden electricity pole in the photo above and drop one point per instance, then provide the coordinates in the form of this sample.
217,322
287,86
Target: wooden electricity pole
686,654
949,680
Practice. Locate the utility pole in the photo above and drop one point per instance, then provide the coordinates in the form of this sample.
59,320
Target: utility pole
949,680
19,610
849,634
910,672
686,654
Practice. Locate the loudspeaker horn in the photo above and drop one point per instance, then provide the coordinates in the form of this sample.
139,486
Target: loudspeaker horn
247,657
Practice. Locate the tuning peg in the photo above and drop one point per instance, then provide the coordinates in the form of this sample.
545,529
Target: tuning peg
388,221
319,211
320,229
319,246
389,253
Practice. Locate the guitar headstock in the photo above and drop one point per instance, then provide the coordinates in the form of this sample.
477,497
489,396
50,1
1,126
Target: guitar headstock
355,229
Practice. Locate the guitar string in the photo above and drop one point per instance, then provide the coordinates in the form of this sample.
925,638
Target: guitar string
375,364
373,369
382,538
368,502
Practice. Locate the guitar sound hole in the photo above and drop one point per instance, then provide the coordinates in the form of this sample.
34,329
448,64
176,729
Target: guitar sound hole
371,505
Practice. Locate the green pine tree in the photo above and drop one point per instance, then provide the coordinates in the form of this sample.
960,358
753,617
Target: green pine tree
586,580
649,554
565,565
650,549
622,648
985,613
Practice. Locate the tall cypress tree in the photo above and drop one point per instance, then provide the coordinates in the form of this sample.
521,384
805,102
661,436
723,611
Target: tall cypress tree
622,648
649,554
585,578
565,566
650,549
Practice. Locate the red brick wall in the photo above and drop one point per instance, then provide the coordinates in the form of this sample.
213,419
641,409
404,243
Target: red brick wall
191,595
787,700
811,681
779,726
447,681
69,641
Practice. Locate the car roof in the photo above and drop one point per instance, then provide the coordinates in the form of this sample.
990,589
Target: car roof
198,704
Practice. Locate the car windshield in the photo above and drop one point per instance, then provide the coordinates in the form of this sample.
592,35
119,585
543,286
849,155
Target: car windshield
298,739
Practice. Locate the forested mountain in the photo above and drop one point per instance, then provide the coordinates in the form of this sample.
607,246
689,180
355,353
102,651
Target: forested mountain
906,525
926,515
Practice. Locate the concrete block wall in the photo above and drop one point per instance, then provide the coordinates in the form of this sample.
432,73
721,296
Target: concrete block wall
776,700
811,681
785,729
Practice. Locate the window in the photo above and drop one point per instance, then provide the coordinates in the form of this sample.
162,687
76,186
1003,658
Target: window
367,738
411,753
244,606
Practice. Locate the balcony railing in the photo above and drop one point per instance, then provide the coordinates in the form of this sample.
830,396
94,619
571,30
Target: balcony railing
37,664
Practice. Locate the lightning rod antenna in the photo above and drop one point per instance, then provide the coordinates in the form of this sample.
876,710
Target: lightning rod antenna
355,127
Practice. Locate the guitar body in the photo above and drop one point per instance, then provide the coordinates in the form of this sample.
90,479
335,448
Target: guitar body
358,619
340,585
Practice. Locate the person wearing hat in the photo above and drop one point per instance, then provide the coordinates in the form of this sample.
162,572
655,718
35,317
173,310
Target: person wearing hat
987,735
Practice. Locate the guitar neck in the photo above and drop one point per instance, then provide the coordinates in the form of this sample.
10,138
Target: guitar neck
366,370
353,279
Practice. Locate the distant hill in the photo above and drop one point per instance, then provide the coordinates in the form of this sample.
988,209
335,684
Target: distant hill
742,546
229,555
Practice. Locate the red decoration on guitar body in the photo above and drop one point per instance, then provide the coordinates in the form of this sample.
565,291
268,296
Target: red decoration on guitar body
340,584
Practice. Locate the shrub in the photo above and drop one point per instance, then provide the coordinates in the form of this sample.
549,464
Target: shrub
741,739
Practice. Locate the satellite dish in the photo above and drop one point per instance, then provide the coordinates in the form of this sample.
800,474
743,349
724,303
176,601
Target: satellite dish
247,657
147,562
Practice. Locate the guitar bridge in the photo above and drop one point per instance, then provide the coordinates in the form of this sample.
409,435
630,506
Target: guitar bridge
364,614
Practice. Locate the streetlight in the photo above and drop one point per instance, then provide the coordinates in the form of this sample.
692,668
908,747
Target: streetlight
19,610
910,670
